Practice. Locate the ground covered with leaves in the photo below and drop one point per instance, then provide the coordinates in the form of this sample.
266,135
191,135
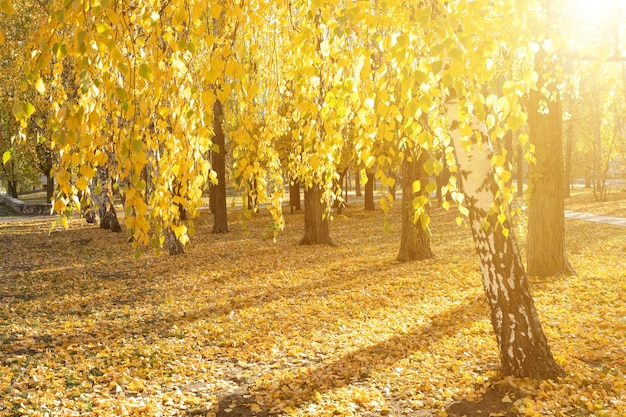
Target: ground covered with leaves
243,326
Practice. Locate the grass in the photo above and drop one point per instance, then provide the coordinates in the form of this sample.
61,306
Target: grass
240,325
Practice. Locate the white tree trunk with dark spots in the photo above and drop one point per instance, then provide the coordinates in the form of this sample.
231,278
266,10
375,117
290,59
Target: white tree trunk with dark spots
524,350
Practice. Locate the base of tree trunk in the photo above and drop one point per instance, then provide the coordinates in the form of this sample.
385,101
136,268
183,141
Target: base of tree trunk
12,189
316,229
369,192
414,240
90,216
219,228
174,245
419,253
109,221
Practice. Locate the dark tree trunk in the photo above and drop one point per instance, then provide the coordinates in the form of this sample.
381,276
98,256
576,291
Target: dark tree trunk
357,185
109,219
174,245
218,191
414,240
49,186
253,200
546,221
523,347
12,188
369,191
294,195
316,230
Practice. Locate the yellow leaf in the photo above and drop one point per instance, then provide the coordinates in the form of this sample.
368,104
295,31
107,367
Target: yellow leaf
216,10
179,66
6,6
39,86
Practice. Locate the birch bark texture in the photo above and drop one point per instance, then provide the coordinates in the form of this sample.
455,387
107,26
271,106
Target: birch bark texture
524,349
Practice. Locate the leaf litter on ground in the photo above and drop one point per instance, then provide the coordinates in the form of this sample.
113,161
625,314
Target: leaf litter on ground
240,325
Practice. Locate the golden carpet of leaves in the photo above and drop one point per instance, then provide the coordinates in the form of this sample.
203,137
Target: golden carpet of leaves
582,200
240,325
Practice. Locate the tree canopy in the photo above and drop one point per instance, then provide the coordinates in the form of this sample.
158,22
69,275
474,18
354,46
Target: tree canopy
132,85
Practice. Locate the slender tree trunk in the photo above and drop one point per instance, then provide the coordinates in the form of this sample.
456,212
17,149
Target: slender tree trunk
49,186
599,179
357,184
294,195
414,239
520,170
546,220
508,147
442,180
253,200
569,145
524,350
218,191
316,230
347,186
338,204
392,189
369,191
12,188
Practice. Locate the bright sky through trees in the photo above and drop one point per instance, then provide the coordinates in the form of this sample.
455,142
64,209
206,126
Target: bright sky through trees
597,12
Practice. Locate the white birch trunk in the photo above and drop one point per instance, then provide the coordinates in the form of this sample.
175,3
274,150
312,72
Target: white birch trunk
524,350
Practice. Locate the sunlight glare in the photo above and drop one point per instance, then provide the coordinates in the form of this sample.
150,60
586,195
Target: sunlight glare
596,12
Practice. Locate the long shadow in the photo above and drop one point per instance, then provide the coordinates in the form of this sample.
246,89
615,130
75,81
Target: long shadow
355,366
158,325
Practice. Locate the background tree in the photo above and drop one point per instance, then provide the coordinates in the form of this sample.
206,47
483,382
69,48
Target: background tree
546,222
415,236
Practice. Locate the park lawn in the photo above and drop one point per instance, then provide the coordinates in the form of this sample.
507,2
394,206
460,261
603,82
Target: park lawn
243,326
582,200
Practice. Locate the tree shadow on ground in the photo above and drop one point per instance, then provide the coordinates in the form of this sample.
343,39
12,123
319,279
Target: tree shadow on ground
353,368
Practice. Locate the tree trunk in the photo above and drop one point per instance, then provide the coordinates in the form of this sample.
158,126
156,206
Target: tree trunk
414,240
174,246
253,200
338,203
442,179
369,191
294,195
508,147
103,201
520,170
357,184
316,230
49,186
218,191
524,350
392,188
599,179
569,145
12,188
546,220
